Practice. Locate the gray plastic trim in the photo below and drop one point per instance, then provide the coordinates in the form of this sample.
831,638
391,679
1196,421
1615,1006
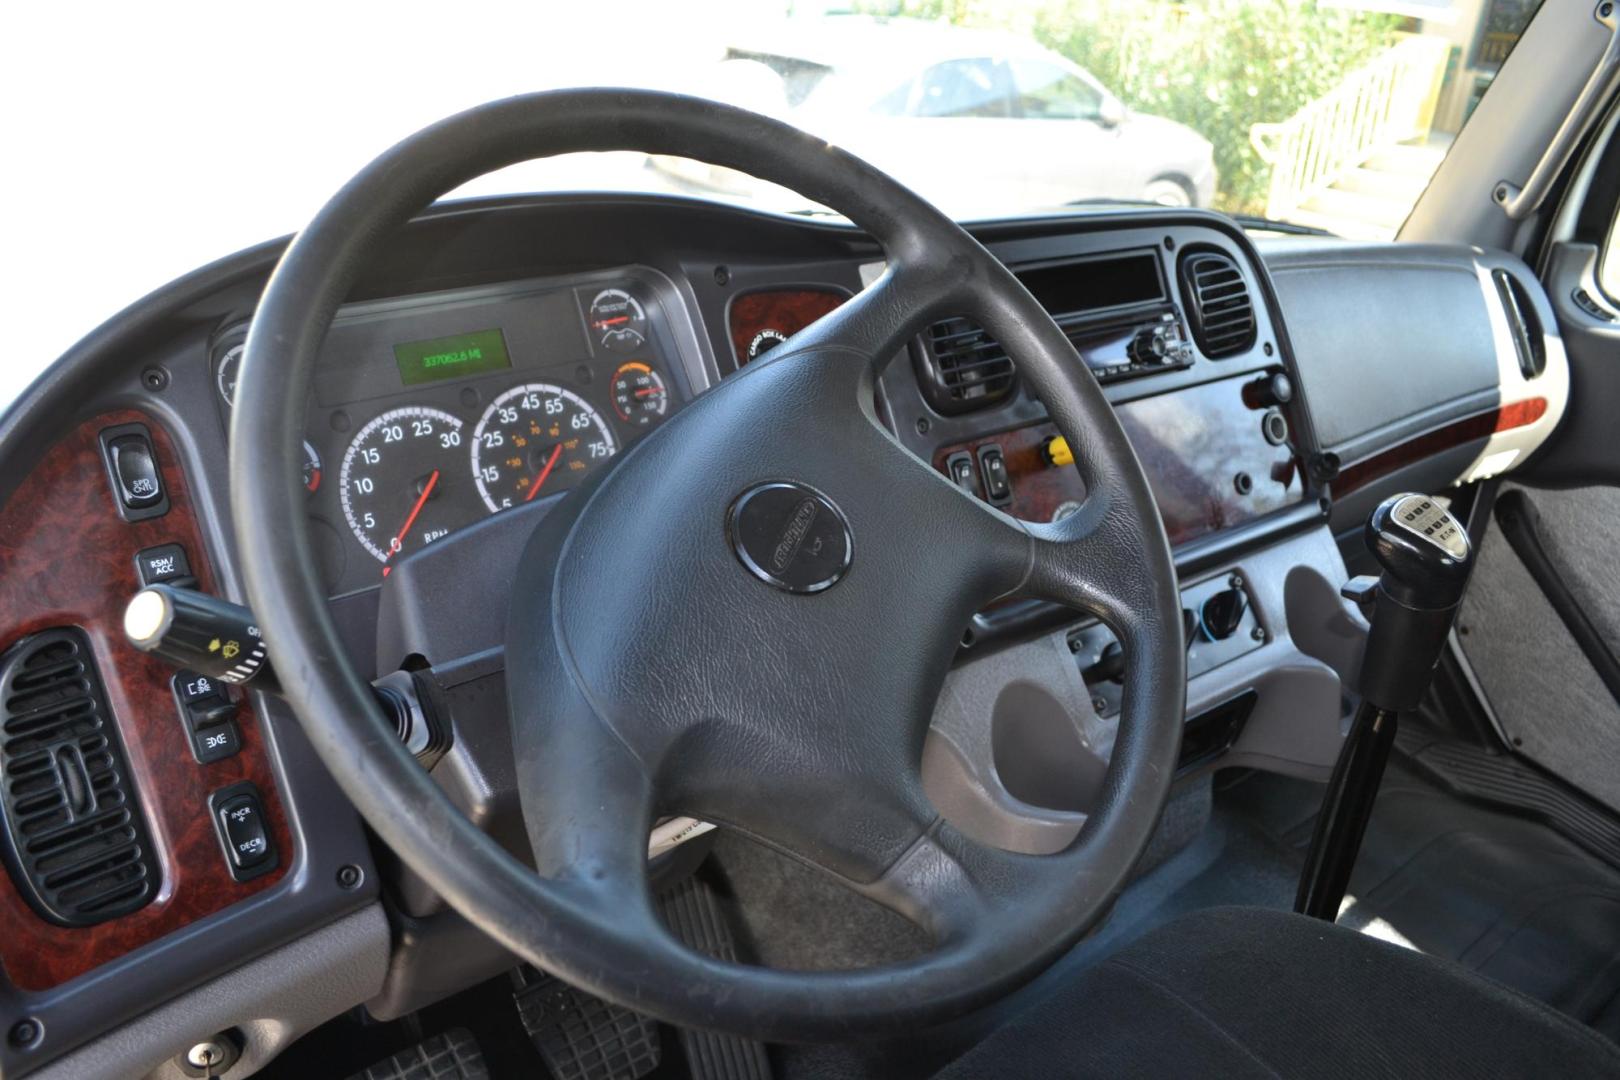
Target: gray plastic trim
1299,675
1519,203
272,1001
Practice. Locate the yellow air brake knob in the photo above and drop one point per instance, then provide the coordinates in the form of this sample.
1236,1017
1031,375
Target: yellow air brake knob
1057,452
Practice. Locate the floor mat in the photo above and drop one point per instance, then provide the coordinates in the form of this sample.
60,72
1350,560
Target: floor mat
1503,895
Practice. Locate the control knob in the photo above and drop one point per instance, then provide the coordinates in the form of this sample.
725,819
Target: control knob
1223,613
1149,347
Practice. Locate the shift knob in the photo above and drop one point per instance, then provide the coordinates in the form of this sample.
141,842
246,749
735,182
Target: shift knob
1424,551
1426,559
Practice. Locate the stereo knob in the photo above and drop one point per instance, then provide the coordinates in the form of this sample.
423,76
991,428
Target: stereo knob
1148,347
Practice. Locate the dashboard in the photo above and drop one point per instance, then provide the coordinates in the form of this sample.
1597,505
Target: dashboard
504,351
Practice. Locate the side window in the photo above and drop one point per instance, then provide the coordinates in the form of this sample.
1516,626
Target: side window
1608,268
1047,92
966,88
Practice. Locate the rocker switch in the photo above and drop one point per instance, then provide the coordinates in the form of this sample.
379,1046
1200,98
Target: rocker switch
136,471
244,834
993,465
241,820
960,467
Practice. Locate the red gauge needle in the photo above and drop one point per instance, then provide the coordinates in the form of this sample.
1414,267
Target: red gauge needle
648,392
534,488
616,320
421,500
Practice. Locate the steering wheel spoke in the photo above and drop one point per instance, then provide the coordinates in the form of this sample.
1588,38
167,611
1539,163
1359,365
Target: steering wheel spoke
952,886
588,806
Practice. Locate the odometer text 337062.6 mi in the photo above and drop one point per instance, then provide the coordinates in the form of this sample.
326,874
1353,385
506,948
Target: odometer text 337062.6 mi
399,476
536,439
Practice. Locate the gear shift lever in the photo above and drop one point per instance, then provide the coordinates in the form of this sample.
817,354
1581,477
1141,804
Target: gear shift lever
1426,559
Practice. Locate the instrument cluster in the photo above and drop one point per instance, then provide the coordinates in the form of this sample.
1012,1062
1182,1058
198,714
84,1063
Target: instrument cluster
437,411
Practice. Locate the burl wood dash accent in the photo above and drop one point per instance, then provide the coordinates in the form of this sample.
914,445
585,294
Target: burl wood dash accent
1193,444
786,311
67,558
1516,414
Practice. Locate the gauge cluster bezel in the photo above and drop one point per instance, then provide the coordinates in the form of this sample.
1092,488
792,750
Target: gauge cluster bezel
569,357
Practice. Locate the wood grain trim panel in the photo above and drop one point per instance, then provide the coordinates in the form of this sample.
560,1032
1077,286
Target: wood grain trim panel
67,558
1193,444
785,310
1515,414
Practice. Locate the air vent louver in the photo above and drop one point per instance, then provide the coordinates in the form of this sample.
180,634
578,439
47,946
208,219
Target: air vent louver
964,368
1523,325
75,840
1218,303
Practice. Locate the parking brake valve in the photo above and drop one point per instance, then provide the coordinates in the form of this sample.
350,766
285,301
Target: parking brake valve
1425,557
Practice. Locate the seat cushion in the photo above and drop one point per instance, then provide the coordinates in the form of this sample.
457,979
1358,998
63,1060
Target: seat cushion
1250,992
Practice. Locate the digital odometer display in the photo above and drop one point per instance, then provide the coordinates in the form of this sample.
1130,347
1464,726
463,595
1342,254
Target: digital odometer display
454,357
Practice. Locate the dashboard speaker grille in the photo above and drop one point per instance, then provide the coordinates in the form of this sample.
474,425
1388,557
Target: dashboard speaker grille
75,838
1218,303
964,368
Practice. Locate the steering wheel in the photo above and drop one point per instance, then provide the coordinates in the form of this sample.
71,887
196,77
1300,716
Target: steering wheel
746,618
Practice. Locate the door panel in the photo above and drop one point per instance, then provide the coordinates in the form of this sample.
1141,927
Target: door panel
1547,692
1541,623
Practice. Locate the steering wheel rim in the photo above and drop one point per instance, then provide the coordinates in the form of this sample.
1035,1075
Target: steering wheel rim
1000,917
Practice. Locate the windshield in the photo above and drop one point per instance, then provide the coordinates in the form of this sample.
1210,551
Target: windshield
180,133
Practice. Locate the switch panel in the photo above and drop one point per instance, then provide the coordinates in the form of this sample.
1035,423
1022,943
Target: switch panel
244,834
133,472
1219,623
209,716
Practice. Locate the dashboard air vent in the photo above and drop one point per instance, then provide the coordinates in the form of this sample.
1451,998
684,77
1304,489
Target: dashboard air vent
75,840
1218,303
1523,325
962,368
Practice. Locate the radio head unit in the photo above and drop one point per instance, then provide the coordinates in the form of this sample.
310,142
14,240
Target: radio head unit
1114,307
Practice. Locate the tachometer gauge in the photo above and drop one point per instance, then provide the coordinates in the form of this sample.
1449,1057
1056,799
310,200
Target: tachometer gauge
639,395
536,439
618,320
399,479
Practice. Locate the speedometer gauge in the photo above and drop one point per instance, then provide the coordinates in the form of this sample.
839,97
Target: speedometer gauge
399,481
535,439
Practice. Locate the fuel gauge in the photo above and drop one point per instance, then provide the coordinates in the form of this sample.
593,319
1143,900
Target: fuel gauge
639,394
311,469
618,320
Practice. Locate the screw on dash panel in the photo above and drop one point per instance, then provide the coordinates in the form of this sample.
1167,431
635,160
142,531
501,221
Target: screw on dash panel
155,379
26,1033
